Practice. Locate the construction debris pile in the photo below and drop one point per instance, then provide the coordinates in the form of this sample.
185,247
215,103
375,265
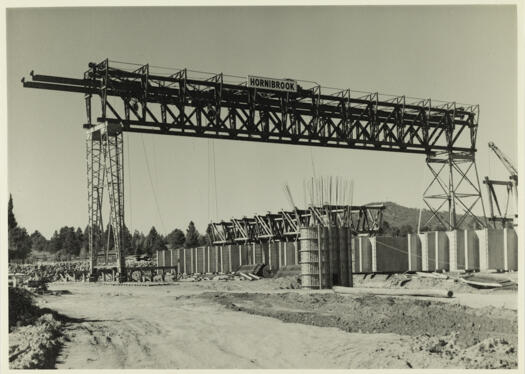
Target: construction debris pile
55,272
65,271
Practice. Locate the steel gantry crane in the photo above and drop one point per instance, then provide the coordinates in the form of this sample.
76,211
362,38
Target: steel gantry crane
183,103
511,188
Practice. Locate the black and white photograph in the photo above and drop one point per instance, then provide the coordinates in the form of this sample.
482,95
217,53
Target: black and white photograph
262,186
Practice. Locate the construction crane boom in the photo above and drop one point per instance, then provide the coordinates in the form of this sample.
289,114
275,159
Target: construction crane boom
504,160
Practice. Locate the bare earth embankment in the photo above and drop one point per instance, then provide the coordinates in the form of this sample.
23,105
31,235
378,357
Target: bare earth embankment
260,325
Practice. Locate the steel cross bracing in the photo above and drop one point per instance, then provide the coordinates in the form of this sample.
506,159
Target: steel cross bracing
144,101
455,184
284,226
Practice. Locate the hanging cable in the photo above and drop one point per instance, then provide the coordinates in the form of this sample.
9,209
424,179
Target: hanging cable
313,165
209,179
129,184
215,179
151,183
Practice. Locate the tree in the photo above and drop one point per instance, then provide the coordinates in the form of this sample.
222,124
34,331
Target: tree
69,241
54,244
176,238
154,242
192,236
385,227
126,240
38,242
11,220
19,241
405,230
137,243
204,240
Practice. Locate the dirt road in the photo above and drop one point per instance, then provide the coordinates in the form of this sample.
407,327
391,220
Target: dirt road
166,327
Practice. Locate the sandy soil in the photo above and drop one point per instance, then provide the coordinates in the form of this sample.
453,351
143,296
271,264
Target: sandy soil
180,326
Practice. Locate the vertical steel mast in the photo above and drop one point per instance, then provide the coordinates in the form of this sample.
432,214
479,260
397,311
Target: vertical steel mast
105,163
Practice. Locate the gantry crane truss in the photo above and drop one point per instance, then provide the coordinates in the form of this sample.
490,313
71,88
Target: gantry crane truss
284,226
143,101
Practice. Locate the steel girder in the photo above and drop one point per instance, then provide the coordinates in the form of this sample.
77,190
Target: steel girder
176,104
284,226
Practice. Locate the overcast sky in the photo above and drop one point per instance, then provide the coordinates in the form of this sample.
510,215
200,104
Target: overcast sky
465,54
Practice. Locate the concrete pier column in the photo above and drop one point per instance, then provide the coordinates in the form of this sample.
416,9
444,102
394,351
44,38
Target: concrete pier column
280,254
270,247
360,254
436,250
350,249
192,261
483,249
343,256
373,243
409,246
240,254
424,251
221,265
208,250
466,241
512,249
230,258
505,250
453,249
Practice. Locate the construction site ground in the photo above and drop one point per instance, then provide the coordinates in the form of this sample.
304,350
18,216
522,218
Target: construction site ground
268,324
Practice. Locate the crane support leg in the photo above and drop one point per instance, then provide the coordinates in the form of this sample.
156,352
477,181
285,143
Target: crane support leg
115,179
105,150
95,176
455,182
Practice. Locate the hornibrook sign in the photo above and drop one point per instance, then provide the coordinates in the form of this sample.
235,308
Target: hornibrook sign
286,85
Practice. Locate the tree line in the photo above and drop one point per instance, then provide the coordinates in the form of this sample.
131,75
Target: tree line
69,242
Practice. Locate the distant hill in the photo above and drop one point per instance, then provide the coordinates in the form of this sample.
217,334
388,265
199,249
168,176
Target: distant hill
398,216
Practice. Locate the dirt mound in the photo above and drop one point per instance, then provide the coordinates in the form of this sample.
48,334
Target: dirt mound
373,314
411,281
35,346
22,311
491,353
406,281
